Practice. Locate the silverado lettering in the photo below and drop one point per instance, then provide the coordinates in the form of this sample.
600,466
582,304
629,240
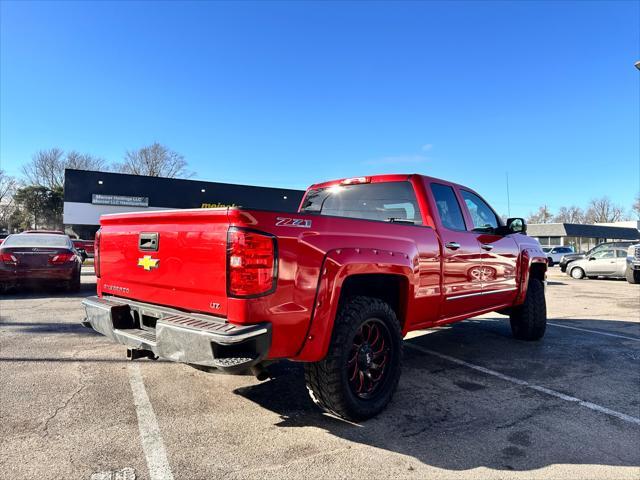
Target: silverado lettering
377,258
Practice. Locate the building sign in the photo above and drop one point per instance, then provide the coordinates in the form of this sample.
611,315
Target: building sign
219,205
119,200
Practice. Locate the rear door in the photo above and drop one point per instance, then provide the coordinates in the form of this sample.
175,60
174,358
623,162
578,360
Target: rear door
621,262
499,253
461,255
603,262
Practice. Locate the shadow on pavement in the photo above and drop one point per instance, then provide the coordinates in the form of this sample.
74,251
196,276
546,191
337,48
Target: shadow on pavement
71,360
48,327
47,291
447,416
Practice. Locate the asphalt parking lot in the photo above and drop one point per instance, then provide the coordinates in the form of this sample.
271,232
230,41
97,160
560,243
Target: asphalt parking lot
472,402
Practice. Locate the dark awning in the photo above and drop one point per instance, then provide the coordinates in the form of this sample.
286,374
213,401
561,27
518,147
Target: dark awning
582,230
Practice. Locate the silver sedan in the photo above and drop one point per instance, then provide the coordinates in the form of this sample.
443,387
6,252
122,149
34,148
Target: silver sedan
610,262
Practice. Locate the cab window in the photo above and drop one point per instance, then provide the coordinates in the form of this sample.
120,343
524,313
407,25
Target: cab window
385,202
484,220
448,207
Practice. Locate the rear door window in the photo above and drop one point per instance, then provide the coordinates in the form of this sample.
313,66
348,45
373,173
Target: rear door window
448,207
384,201
484,220
602,254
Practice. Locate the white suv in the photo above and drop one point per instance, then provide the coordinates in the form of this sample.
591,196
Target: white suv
555,254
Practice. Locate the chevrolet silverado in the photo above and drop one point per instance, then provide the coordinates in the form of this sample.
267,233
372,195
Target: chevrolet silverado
336,286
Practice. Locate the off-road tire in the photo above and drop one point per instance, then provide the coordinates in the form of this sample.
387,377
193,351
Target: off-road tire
529,320
633,276
327,380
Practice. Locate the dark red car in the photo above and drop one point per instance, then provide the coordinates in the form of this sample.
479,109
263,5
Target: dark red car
86,245
39,258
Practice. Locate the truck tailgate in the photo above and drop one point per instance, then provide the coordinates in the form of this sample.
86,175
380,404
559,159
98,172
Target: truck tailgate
186,268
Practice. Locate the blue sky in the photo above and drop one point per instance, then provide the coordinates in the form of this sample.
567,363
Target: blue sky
291,93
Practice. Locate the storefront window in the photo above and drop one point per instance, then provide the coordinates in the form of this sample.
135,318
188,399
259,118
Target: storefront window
551,241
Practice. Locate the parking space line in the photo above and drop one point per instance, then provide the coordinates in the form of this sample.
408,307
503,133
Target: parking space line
150,436
524,383
594,331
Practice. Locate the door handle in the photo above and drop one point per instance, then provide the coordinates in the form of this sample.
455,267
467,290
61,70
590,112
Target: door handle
486,246
452,245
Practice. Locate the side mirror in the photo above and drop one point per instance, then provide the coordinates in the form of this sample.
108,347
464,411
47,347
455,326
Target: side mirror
592,258
517,225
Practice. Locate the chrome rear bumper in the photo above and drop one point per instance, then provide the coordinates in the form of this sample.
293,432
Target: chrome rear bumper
178,336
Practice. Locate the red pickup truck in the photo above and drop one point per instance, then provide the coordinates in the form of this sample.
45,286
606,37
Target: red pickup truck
336,285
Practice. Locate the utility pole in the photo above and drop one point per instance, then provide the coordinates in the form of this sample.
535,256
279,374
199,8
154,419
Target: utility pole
508,197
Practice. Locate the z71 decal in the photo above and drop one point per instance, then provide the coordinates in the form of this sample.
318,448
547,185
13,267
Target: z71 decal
293,222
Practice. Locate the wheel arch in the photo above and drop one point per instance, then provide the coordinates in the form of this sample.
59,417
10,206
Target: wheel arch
390,276
391,288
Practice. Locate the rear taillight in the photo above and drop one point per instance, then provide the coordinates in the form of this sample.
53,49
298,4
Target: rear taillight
61,258
251,263
8,259
96,254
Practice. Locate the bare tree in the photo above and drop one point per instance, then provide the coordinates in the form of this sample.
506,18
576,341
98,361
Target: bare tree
46,168
156,160
543,215
8,186
84,161
570,214
602,210
636,206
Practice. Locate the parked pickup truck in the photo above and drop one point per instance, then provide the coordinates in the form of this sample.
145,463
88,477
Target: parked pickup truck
336,285
633,264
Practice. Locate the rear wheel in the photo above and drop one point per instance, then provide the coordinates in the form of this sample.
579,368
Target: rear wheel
529,320
360,373
577,273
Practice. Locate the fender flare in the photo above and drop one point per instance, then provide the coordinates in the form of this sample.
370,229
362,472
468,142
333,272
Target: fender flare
528,258
338,265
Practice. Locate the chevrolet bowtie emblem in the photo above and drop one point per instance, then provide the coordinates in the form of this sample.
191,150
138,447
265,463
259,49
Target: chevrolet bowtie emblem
148,263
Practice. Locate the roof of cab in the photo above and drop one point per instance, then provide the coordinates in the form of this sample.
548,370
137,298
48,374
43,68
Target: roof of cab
395,177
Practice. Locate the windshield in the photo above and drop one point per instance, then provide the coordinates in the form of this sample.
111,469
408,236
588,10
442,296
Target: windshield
37,240
546,249
384,201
